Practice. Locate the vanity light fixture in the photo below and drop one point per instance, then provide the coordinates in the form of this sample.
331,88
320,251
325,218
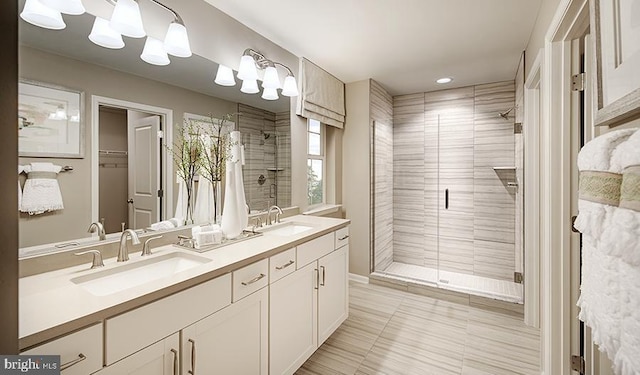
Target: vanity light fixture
125,20
224,76
59,114
444,80
253,60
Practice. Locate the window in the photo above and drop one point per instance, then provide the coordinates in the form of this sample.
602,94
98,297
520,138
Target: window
315,163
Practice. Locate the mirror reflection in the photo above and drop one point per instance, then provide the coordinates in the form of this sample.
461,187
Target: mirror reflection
123,98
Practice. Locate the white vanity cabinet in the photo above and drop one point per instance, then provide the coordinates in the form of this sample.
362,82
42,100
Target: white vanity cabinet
160,358
80,352
231,341
308,305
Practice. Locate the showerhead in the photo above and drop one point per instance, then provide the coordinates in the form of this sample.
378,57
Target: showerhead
505,114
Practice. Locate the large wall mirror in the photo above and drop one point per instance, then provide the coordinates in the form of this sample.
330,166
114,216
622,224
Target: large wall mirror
122,93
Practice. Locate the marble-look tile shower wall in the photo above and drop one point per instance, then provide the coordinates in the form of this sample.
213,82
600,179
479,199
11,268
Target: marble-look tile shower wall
451,140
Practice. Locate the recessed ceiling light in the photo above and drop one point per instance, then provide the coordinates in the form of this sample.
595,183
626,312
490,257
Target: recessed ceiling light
444,80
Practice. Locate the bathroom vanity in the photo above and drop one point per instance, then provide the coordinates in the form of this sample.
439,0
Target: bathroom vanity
260,306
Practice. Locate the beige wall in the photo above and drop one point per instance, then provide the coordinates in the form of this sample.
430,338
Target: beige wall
355,175
36,65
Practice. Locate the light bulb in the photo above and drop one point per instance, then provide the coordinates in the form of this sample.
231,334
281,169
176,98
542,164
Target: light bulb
224,77
247,70
74,7
176,42
126,19
290,87
250,86
154,53
270,94
41,15
104,36
271,79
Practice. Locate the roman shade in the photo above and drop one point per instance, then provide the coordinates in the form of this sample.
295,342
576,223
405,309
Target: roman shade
321,95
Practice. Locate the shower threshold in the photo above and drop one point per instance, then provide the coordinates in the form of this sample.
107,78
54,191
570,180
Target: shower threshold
502,290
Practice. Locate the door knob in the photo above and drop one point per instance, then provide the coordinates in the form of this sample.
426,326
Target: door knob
130,201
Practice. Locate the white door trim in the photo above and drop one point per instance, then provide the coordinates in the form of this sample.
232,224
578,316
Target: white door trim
531,131
570,20
167,121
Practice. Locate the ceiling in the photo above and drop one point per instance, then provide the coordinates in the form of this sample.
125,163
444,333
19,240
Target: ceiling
404,44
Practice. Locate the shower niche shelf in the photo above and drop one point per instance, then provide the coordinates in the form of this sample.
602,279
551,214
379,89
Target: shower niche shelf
274,169
504,168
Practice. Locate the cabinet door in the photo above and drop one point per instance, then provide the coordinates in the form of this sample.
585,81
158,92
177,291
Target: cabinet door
333,297
160,358
293,320
232,341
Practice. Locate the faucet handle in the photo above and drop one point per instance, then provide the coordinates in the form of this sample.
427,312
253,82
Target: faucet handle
97,258
146,248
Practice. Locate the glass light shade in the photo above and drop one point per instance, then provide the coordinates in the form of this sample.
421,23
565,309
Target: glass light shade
104,36
41,15
154,53
176,42
126,19
224,77
74,7
247,70
59,114
270,94
250,86
290,87
271,79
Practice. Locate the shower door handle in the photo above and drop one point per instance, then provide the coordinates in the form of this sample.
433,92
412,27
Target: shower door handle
446,199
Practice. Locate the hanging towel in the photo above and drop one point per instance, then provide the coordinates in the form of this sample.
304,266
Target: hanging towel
41,190
20,170
599,195
181,203
203,211
234,214
621,240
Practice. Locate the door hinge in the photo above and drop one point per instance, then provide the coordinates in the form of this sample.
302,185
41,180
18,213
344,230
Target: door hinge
160,193
517,128
577,364
518,277
577,82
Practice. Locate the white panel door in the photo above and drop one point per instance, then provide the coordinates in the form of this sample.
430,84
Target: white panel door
333,306
160,358
232,341
144,172
293,320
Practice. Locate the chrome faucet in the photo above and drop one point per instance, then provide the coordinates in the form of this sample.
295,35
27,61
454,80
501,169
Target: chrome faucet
123,251
100,228
278,213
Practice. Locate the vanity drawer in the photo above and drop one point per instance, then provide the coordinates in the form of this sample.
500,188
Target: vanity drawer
72,348
136,329
342,237
314,249
280,265
250,278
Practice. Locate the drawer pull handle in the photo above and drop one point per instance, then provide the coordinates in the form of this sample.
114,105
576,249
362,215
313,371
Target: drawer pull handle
175,361
285,265
323,275
343,237
193,357
81,357
317,279
254,280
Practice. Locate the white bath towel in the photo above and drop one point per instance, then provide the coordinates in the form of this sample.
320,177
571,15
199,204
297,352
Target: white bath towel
41,190
163,225
203,211
20,170
627,359
234,215
181,203
600,181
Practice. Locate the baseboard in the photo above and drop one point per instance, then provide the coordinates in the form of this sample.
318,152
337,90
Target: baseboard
358,278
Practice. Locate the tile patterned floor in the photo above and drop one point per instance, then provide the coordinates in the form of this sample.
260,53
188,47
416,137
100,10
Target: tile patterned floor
390,331
472,284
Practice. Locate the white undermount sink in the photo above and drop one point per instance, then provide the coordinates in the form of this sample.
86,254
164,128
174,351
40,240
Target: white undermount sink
109,281
286,229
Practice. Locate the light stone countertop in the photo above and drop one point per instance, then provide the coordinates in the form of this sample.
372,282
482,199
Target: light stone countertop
51,305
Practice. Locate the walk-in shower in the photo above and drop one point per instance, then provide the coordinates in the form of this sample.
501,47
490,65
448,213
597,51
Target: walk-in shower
446,194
